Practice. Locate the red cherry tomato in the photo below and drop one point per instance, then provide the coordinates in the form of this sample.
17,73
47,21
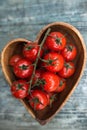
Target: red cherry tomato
50,81
53,61
19,89
61,86
23,68
37,76
14,59
30,51
68,70
38,99
69,52
56,41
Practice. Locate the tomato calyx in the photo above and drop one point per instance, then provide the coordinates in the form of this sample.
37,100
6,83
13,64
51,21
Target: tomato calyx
68,66
36,101
29,47
69,48
61,83
49,61
23,67
52,98
39,82
19,87
58,40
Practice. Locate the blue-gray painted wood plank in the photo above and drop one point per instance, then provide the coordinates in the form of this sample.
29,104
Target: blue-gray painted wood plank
25,18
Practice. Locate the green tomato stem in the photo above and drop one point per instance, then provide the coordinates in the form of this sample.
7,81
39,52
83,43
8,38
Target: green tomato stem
38,55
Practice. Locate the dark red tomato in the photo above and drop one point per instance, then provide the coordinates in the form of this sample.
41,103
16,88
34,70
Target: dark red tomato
30,51
14,59
68,70
37,76
69,52
23,68
19,89
38,99
61,86
56,41
53,62
50,81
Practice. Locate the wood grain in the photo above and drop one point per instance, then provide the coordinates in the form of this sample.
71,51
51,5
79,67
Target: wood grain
19,18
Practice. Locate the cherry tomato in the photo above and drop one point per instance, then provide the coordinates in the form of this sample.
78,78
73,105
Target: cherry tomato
53,61
56,41
19,89
37,76
38,99
50,81
61,86
23,68
30,51
68,70
14,59
69,52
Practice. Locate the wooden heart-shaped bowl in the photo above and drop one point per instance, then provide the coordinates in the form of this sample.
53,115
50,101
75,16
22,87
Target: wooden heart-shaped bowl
15,47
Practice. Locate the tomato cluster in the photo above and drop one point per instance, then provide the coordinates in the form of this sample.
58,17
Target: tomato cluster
55,65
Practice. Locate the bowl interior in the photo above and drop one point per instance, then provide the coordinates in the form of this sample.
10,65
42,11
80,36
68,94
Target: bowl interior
15,47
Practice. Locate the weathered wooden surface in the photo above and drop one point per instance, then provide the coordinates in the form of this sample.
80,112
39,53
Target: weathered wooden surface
25,18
